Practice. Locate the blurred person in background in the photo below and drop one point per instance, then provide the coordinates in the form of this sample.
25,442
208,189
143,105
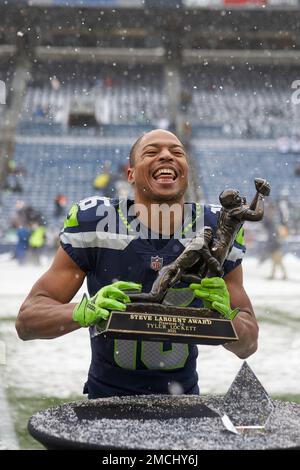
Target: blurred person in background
36,242
297,169
102,181
21,248
284,207
20,218
276,234
26,221
60,203
14,176
21,224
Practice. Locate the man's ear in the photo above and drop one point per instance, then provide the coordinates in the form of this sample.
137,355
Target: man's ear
130,176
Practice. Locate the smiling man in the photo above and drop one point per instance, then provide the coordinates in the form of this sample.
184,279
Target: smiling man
108,254
159,172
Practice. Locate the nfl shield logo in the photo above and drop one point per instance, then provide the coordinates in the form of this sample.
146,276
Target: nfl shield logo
156,263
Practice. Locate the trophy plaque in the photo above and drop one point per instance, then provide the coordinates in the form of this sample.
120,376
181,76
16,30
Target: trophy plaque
158,322
150,317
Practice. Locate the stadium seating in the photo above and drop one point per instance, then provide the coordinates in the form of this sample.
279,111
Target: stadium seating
224,102
71,168
120,95
61,168
221,166
242,101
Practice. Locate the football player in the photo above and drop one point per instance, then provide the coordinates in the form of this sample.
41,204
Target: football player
100,241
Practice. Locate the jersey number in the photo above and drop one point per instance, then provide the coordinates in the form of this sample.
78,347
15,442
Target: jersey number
152,355
89,202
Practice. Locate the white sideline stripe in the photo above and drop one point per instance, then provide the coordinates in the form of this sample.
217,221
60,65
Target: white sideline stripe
8,438
114,241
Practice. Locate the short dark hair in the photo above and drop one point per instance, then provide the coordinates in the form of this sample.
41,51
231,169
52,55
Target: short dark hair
133,150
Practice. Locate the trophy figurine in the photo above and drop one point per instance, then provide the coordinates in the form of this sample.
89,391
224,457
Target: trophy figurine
148,317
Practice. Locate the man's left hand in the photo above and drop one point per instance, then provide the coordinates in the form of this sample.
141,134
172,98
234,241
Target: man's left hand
214,294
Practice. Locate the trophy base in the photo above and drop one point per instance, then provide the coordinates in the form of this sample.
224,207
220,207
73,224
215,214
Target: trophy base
157,322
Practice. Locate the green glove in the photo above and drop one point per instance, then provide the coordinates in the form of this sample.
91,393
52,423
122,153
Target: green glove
95,311
214,294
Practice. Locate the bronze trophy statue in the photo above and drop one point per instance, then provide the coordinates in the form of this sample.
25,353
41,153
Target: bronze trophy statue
235,211
147,317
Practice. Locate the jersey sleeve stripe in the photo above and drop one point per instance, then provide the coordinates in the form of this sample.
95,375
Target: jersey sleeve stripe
113,241
235,254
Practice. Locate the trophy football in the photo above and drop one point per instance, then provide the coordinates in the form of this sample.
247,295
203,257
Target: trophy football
150,317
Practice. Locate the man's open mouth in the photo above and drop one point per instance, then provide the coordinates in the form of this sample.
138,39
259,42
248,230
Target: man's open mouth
165,174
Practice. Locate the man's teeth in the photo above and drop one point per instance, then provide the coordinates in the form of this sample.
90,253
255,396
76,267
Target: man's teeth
166,172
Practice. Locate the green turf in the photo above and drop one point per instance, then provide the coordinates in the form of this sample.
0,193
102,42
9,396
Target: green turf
8,319
22,408
287,397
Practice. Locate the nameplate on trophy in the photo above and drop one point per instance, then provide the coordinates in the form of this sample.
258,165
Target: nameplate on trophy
154,322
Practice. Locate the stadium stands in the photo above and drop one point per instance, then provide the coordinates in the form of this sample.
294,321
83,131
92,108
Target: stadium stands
119,95
224,164
60,167
240,101
223,102
229,102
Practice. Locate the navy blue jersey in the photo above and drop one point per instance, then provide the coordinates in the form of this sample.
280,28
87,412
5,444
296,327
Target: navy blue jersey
99,237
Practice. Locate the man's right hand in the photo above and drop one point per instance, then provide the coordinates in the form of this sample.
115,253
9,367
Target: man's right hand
96,311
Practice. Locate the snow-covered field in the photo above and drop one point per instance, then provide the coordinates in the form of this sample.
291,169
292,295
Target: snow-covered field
59,367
